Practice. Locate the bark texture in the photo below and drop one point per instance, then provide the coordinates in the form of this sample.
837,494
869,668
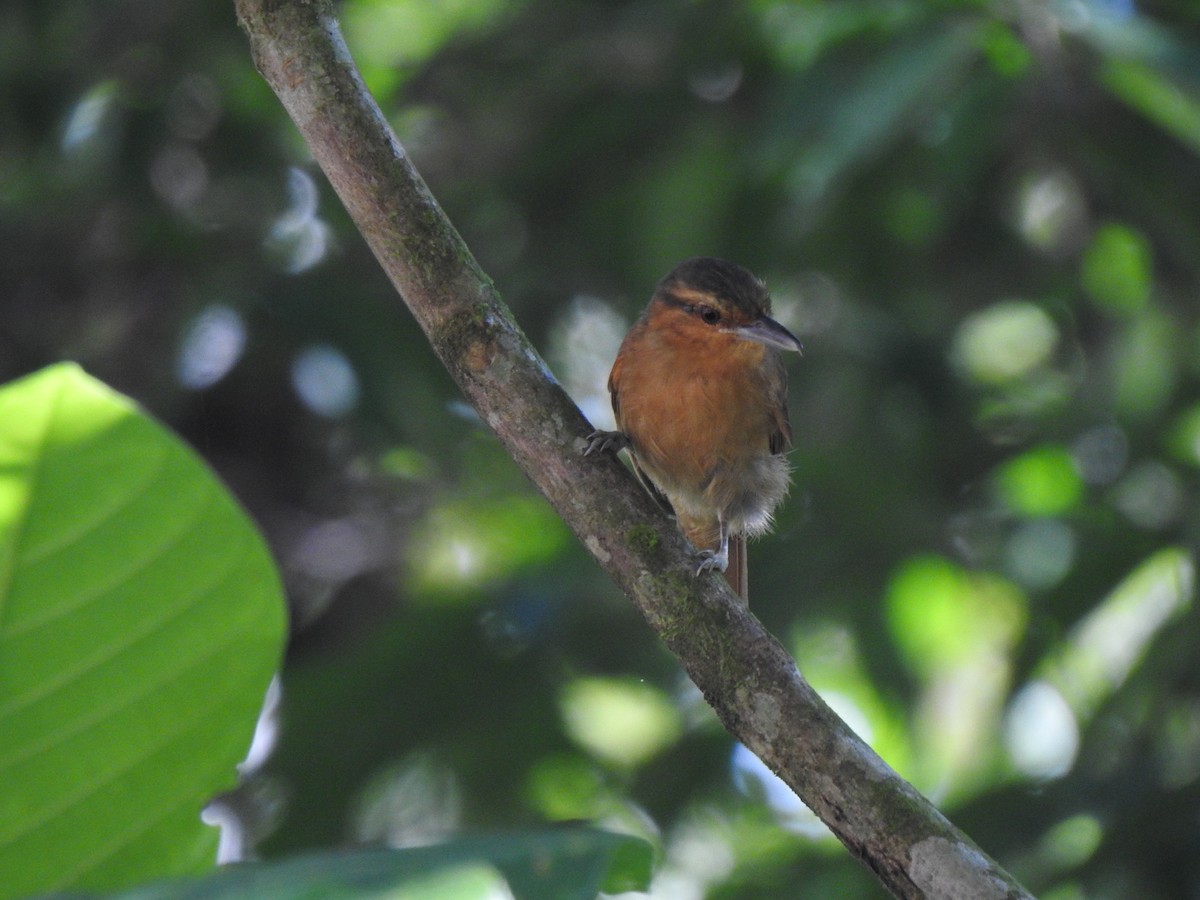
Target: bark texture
745,674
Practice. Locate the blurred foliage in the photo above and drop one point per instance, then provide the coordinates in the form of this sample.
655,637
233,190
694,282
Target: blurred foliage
143,620
982,218
561,864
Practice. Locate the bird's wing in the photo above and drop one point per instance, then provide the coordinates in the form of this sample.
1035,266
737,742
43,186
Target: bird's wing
780,438
614,390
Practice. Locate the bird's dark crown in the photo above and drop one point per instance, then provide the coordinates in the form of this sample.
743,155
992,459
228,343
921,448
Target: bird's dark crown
734,291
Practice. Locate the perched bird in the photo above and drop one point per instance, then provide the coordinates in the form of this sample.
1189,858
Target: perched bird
700,397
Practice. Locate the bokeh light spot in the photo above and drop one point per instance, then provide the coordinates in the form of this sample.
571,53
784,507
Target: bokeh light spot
1040,552
941,615
1117,269
212,346
325,381
1151,496
409,803
583,346
566,786
1041,482
1041,733
1050,210
299,239
757,782
470,542
1101,454
86,121
179,175
1003,342
1073,841
619,721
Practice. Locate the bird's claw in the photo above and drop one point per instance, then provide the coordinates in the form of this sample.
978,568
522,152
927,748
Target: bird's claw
711,560
599,441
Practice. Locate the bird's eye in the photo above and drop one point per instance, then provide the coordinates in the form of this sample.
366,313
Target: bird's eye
709,315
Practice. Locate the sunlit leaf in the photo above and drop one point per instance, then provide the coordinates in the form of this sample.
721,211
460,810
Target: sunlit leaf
956,630
389,38
1007,53
141,619
1167,104
1041,482
1072,841
1118,269
620,721
1043,726
1004,341
1104,647
566,786
471,541
941,615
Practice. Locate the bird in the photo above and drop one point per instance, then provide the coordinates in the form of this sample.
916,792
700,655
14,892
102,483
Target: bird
699,393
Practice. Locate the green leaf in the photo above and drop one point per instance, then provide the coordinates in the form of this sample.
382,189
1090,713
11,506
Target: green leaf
560,864
1004,342
1118,269
1041,482
621,721
1165,101
942,615
141,619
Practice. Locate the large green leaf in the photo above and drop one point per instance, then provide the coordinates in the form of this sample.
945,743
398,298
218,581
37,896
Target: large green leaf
140,622
569,863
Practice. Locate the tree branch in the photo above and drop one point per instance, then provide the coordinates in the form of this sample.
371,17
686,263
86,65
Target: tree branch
745,674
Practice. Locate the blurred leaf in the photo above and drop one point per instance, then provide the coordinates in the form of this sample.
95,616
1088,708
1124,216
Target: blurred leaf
1159,99
941,615
620,721
1183,438
1004,341
1072,841
142,620
1103,648
560,864
1007,53
1118,269
912,215
798,33
956,629
1041,482
857,117
473,541
391,38
566,786
682,199
1144,365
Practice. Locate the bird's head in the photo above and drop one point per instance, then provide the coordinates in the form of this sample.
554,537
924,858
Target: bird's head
713,295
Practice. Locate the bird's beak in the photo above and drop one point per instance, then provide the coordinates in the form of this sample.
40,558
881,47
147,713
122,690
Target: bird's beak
768,331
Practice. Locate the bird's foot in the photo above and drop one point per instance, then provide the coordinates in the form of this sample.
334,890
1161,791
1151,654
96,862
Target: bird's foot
713,560
599,441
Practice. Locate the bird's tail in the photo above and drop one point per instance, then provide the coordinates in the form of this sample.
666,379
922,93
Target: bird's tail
737,574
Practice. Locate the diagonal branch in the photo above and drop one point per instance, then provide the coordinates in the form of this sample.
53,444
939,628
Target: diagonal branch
744,673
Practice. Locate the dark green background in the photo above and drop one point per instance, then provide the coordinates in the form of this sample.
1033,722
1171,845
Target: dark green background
983,219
